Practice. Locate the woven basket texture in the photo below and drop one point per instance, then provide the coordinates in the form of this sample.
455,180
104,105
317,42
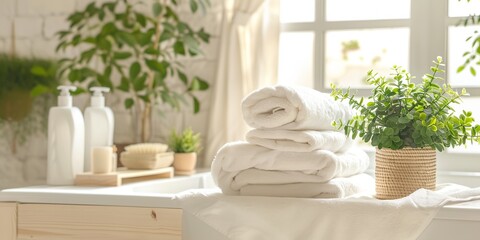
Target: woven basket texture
398,173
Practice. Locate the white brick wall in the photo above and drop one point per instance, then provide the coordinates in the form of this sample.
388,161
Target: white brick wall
53,25
5,26
28,27
7,8
45,7
36,22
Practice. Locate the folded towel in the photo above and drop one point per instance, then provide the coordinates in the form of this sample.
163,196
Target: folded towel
236,163
335,188
293,108
310,219
299,141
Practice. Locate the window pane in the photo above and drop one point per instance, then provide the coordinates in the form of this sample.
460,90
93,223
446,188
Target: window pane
456,47
458,8
296,58
297,11
346,10
349,55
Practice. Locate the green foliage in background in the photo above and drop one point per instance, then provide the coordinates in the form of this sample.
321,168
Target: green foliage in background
34,75
400,113
139,49
472,56
186,142
23,102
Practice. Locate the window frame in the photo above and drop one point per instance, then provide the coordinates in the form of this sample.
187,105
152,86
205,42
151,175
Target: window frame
427,41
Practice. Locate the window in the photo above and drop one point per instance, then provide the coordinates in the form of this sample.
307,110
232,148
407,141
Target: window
338,41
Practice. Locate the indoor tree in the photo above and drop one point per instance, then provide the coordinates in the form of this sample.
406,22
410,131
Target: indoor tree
136,52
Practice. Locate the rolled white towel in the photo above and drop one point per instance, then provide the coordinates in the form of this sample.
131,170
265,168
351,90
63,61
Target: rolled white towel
299,141
293,108
238,164
335,188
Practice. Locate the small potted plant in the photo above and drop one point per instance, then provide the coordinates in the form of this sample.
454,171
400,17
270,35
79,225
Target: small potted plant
407,123
185,145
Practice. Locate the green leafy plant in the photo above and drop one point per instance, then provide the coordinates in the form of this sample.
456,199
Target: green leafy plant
135,52
471,57
23,105
400,113
186,142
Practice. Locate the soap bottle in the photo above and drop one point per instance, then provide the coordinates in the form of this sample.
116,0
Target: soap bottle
99,124
66,140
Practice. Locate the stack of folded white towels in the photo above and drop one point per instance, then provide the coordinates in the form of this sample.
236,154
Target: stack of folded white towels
293,150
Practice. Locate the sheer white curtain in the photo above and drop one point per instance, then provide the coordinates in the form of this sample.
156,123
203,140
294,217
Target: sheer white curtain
248,60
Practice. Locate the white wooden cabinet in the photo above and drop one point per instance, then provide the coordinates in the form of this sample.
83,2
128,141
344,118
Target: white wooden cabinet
64,222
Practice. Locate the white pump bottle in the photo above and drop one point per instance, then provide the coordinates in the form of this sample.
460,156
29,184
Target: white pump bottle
99,124
66,139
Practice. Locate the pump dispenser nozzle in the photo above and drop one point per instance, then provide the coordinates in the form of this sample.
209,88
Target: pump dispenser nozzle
97,99
64,99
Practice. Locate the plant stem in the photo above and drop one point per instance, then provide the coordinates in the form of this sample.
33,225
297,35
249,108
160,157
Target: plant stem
147,111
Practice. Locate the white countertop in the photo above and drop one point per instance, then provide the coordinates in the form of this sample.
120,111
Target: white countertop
155,193
161,193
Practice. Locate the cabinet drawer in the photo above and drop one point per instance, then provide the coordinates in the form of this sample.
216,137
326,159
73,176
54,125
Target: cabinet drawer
55,222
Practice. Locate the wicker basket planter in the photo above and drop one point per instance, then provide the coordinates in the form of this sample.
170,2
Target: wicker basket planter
398,173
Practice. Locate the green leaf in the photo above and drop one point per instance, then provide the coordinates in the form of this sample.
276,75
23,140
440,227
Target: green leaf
128,103
196,105
143,38
192,44
403,119
460,69
139,83
179,48
203,35
182,77
156,66
134,70
145,98
198,84
473,72
157,9
104,44
141,19
108,28
152,51
165,36
87,55
110,6
126,38
124,85
74,75
193,6
121,55
39,71
39,90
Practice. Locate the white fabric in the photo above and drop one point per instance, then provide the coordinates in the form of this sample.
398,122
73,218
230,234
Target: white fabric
335,188
265,218
293,108
238,164
248,59
299,141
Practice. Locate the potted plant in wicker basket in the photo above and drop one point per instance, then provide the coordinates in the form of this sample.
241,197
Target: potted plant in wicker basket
185,145
407,123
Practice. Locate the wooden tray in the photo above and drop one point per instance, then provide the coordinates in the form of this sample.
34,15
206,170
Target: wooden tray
122,176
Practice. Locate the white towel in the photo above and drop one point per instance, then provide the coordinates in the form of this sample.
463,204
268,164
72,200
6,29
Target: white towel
293,108
264,218
335,188
237,163
299,141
